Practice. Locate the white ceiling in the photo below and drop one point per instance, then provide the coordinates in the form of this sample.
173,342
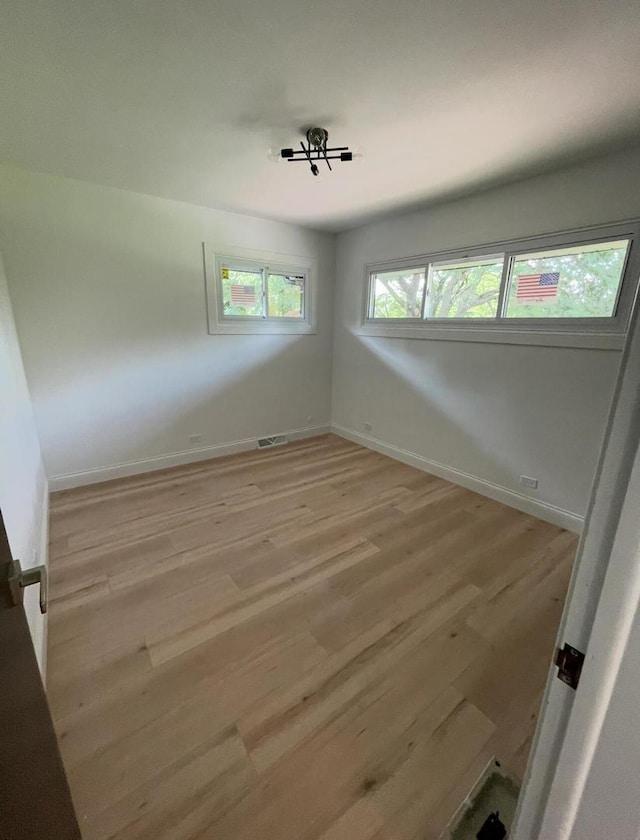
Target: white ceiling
184,98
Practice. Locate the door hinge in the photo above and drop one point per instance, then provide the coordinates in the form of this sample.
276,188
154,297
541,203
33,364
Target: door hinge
569,662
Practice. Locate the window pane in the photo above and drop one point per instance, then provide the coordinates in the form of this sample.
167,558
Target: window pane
465,289
285,296
242,292
398,294
577,282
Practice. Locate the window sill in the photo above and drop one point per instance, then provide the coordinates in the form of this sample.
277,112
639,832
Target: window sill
269,328
499,335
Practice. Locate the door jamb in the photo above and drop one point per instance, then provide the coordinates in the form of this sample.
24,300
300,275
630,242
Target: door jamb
551,775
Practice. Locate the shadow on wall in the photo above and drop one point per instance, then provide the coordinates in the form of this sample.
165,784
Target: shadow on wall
418,396
111,312
493,411
137,408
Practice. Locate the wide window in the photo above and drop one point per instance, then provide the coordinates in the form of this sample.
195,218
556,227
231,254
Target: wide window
566,283
246,296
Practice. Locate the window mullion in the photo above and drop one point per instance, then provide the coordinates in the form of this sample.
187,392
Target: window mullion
504,282
426,294
265,292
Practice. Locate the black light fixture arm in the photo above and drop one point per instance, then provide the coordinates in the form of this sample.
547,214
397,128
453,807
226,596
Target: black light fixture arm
315,150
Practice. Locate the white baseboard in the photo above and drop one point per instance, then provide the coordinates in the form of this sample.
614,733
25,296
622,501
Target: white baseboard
558,516
173,459
550,513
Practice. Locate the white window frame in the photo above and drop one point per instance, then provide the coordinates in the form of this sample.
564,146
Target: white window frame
605,333
219,323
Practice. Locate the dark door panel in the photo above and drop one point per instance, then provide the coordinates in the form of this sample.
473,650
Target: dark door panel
35,803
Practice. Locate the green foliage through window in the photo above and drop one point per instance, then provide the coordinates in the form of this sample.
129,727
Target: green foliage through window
578,281
285,298
258,293
588,283
242,292
398,294
464,290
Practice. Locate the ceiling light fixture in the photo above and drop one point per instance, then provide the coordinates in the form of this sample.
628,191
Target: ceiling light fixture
316,151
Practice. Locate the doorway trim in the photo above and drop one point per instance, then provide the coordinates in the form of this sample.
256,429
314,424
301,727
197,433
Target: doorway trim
594,621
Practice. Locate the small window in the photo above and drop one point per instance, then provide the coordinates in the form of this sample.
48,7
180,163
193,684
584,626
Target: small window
398,294
582,281
464,289
260,291
247,296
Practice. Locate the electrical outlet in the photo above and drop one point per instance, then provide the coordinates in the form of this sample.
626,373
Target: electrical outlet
368,427
527,481
195,438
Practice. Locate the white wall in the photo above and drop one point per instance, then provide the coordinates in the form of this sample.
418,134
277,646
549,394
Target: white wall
23,486
108,295
491,411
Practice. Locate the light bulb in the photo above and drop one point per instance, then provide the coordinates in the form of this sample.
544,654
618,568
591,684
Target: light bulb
355,156
275,156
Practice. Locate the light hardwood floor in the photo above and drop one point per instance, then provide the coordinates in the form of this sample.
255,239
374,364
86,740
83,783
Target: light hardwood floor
312,642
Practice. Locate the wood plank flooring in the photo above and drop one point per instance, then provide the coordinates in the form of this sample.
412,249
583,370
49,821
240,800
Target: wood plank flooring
312,642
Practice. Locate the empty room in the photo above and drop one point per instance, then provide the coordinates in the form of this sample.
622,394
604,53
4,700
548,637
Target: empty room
320,382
